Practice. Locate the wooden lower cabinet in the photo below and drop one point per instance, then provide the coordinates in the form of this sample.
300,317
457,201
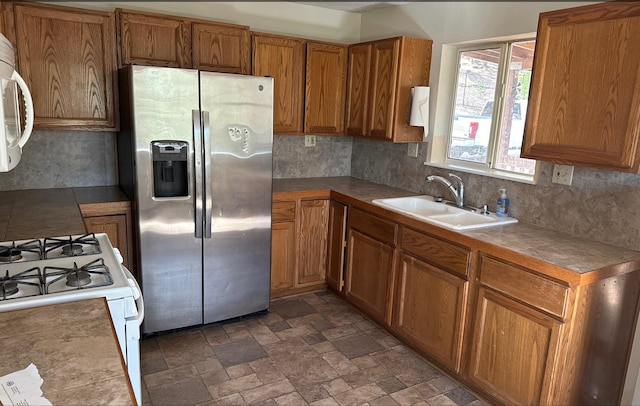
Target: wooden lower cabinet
283,256
118,230
298,245
336,245
370,264
513,350
429,309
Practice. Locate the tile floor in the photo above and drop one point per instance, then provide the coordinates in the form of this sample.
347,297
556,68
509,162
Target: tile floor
311,349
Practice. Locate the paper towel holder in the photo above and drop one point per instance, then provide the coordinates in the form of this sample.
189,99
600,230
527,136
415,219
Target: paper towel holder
419,116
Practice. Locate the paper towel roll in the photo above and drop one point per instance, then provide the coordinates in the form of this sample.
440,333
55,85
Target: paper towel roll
420,107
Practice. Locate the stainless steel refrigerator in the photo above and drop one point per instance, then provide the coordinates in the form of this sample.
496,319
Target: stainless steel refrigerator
195,155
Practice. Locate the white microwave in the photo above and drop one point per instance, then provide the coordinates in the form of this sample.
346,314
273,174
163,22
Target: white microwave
12,136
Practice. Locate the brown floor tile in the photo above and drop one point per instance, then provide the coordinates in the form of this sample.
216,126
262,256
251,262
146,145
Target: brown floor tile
184,348
190,391
291,308
357,345
239,352
311,349
359,395
269,391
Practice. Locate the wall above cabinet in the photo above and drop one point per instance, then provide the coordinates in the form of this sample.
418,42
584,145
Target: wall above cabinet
585,88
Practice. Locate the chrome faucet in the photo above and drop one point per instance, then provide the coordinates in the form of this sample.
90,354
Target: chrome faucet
458,193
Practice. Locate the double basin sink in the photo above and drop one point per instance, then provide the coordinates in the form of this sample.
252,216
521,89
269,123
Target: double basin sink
427,209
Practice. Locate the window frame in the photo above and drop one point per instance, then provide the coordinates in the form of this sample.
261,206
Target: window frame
488,168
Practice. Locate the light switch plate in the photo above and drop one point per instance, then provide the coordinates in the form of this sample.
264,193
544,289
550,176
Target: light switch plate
562,174
413,150
309,140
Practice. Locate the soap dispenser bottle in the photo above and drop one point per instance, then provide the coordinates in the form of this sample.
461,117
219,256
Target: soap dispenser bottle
502,208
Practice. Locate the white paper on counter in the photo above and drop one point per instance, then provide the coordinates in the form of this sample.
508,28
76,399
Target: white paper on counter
22,388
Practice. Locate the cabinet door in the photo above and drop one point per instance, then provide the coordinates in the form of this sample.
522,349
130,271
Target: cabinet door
67,56
384,73
221,48
336,244
358,73
153,39
585,91
115,227
283,248
369,275
429,309
513,349
312,241
325,86
283,59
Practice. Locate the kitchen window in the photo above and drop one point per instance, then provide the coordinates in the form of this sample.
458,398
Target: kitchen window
489,108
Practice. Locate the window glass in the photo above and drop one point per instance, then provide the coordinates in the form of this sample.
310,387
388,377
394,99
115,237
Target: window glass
490,107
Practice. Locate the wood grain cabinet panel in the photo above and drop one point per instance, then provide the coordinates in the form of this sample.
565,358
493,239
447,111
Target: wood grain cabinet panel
336,245
67,56
312,241
369,275
118,229
359,69
585,88
283,256
513,350
221,48
283,59
394,65
153,39
429,310
325,88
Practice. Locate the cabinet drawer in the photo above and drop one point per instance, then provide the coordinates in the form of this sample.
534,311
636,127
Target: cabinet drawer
381,230
523,285
440,253
283,211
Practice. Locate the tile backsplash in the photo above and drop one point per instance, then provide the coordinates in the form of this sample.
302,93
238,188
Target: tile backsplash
53,159
600,205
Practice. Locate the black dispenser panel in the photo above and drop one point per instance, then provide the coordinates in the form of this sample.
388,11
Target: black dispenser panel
170,168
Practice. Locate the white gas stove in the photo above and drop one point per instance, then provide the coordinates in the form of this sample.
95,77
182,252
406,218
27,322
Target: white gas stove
47,271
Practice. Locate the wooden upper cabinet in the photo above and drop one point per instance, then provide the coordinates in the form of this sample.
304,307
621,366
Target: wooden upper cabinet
325,88
585,88
67,57
153,39
395,66
359,69
283,59
221,47
162,40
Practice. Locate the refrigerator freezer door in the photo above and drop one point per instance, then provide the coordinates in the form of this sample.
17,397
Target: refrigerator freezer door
163,100
237,257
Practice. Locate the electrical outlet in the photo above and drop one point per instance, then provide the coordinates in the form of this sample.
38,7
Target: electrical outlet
309,140
562,174
413,150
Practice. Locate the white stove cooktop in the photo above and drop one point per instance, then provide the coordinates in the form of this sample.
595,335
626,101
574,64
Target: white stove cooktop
60,269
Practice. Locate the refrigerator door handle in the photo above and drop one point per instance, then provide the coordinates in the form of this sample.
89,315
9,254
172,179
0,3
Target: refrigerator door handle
208,202
199,186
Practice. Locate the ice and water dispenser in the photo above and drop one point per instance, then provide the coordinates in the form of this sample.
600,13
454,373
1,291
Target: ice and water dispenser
170,168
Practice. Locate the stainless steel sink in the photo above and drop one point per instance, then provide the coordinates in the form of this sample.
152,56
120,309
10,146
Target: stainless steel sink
425,208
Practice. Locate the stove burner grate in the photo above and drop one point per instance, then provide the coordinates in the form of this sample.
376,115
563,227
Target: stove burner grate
78,277
10,285
71,247
13,252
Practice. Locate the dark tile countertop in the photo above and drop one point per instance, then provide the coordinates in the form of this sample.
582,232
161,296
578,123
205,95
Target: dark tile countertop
37,213
74,348
575,260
